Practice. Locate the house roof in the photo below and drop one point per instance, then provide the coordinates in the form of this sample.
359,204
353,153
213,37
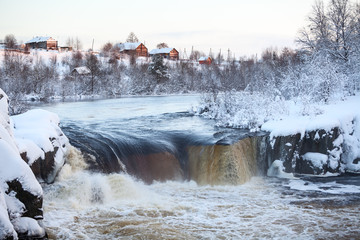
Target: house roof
39,39
161,50
128,46
82,70
204,58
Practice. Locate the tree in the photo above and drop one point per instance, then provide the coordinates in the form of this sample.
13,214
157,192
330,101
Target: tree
132,38
195,55
10,41
341,18
158,69
331,31
106,49
78,44
162,45
92,63
317,36
75,44
76,59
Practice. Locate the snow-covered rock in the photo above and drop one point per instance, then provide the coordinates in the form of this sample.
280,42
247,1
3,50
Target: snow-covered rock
20,193
328,142
41,142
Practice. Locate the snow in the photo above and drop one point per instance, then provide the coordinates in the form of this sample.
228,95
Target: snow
39,39
344,114
277,170
33,132
160,51
82,70
203,58
33,152
37,132
317,159
6,228
13,167
128,46
29,226
333,115
43,126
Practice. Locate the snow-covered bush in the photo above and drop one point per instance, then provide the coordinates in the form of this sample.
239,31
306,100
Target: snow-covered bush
243,109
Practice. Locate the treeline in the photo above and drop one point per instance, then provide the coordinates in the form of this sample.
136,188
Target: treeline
325,68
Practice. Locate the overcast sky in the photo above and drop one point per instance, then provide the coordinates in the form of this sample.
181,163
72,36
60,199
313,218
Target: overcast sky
245,27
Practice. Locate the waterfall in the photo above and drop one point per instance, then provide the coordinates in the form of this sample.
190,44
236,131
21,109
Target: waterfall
162,156
223,164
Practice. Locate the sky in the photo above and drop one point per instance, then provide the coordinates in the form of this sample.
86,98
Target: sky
246,27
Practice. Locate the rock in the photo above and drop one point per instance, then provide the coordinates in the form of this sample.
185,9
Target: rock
317,152
21,195
31,201
41,142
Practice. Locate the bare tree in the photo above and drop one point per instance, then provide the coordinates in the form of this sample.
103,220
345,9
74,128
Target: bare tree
195,55
105,50
93,64
341,17
78,44
317,35
10,41
162,45
132,38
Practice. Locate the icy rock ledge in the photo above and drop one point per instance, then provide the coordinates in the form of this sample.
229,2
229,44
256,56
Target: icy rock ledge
36,137
41,142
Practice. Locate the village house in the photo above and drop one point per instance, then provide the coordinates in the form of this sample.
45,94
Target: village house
205,60
47,43
80,71
169,53
135,49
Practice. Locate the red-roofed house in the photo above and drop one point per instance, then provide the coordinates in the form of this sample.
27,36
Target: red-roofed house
205,60
137,49
169,53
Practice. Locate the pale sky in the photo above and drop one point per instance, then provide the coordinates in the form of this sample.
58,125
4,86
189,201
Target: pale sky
245,27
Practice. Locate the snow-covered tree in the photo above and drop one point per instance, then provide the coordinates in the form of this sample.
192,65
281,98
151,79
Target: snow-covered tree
158,69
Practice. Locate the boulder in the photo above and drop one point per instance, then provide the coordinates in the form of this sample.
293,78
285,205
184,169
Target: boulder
41,142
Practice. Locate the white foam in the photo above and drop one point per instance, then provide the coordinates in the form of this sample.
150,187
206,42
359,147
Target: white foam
183,210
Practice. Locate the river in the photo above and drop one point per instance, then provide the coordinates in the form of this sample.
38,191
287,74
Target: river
114,199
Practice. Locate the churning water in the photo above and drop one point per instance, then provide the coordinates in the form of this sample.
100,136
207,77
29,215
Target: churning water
84,204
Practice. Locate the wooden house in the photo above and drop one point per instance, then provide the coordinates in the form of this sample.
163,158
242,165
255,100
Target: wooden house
80,71
136,49
205,60
169,53
47,43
